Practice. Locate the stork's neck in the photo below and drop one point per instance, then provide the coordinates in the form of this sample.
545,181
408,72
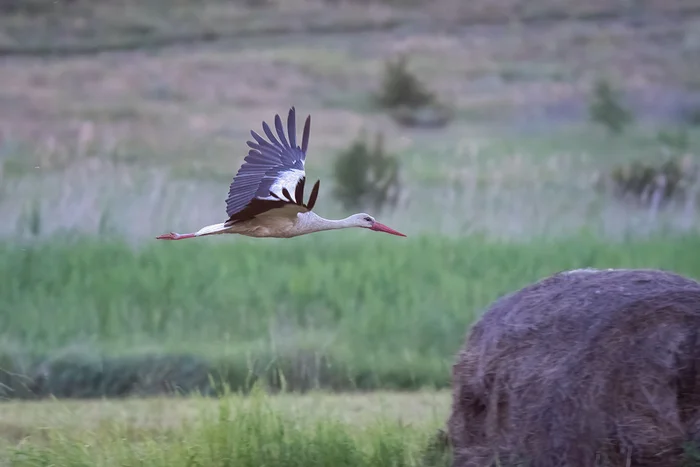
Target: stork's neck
315,223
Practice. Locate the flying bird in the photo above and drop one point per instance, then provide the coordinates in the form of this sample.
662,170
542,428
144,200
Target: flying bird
266,197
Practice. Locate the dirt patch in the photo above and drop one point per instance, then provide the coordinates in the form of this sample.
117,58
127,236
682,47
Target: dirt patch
584,368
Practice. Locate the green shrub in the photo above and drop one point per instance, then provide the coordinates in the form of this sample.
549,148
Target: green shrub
408,100
671,177
606,109
366,177
400,87
641,180
86,375
90,374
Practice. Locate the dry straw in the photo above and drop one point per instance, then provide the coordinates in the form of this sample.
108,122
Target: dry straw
584,368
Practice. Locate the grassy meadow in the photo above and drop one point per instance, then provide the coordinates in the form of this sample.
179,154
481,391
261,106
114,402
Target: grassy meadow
334,312
370,430
120,121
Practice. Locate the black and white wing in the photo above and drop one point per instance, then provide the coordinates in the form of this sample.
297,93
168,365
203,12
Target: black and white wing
272,174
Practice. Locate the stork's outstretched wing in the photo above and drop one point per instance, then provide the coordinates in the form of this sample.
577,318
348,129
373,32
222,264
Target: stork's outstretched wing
272,174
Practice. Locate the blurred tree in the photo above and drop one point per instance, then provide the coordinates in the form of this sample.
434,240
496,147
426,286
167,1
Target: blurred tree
366,176
408,100
400,87
605,108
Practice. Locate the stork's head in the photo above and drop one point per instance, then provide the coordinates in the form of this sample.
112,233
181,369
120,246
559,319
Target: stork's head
368,222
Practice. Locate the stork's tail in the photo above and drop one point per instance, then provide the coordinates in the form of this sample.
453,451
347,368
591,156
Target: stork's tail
208,230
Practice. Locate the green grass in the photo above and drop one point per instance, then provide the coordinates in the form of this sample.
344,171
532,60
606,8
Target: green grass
239,432
355,311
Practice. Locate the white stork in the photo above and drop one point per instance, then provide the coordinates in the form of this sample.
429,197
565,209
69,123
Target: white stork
260,201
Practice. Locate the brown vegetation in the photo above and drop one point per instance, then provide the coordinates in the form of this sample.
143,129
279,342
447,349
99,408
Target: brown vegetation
584,368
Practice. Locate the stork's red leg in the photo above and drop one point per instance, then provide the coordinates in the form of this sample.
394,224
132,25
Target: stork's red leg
175,236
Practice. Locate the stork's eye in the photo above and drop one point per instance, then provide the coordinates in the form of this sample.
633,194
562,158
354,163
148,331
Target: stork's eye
368,219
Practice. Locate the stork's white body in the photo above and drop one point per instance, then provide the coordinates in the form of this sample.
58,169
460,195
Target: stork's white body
266,197
287,222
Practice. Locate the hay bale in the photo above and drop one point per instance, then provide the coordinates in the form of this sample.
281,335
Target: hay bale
584,368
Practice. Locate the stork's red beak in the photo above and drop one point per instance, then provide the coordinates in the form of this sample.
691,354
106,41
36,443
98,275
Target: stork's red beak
383,228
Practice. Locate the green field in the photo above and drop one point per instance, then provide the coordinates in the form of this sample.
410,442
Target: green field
315,430
353,311
123,120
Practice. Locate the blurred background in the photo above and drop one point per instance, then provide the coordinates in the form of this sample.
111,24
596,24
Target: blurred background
509,139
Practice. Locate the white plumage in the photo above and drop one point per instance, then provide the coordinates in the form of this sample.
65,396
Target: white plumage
287,179
266,197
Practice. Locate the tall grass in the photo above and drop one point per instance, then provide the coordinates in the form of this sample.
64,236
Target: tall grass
336,311
242,433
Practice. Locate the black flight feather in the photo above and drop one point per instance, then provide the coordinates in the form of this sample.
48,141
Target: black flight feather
268,161
299,192
313,196
291,128
305,136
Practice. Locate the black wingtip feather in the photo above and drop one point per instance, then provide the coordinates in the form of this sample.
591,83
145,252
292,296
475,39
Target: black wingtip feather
292,127
314,194
299,192
286,194
305,136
